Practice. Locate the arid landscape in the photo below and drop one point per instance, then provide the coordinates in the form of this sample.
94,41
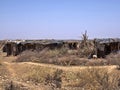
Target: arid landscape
59,44
59,69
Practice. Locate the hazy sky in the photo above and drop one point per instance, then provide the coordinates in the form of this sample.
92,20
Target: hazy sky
59,19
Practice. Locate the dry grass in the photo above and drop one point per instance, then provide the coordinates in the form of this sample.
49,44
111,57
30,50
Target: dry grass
114,59
4,76
93,79
3,71
41,56
61,77
58,57
88,78
65,78
37,74
65,58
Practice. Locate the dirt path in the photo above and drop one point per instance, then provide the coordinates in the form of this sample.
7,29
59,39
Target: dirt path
9,65
70,68
10,69
13,77
7,62
12,74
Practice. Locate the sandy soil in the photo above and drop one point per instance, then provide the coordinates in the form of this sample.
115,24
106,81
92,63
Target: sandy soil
8,63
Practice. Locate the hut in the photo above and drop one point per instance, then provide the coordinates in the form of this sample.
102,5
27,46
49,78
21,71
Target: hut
104,47
15,48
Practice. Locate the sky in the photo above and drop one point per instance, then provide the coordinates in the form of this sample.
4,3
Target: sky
59,19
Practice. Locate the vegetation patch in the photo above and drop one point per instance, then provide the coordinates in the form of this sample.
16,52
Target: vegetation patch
92,78
63,58
114,59
46,75
87,78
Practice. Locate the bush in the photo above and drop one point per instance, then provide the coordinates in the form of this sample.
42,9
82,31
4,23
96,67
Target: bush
114,59
26,56
43,56
55,80
64,58
71,61
57,57
86,46
84,52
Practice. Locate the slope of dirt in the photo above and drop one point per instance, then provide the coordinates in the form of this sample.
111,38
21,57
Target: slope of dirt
10,69
9,76
15,72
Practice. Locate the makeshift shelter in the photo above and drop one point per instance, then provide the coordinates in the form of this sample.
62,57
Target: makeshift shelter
104,47
14,48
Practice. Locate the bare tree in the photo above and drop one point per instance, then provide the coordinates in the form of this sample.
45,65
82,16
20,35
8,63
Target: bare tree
84,39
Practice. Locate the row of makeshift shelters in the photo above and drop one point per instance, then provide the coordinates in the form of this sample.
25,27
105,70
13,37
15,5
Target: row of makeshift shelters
102,47
16,47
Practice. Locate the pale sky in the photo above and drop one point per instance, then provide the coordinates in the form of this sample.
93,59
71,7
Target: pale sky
59,19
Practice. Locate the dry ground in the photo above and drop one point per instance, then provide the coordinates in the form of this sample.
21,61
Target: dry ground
8,74
21,75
